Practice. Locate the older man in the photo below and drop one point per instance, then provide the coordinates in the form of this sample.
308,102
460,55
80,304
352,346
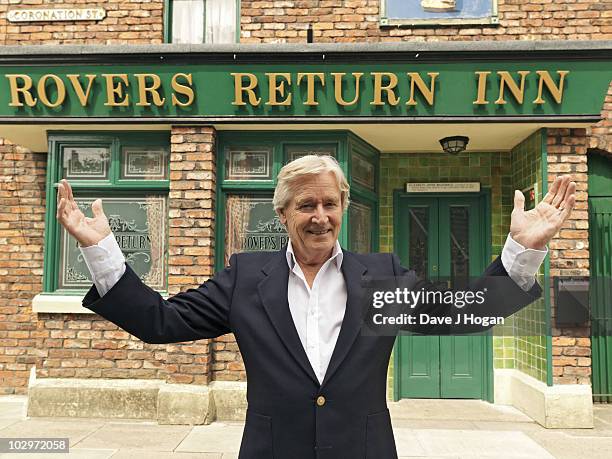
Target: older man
316,385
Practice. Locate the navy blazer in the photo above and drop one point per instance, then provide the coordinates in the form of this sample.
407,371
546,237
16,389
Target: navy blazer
249,298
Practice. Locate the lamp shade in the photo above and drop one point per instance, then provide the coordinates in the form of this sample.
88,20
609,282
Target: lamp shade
455,144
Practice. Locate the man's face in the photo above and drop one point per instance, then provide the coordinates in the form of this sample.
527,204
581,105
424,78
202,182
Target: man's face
313,217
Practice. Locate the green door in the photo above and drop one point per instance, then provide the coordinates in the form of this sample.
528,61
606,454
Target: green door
600,292
442,238
600,210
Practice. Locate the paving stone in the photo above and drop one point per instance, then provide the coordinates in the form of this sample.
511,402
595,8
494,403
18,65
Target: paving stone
564,446
456,410
143,436
506,444
407,443
217,437
73,454
75,431
12,407
139,454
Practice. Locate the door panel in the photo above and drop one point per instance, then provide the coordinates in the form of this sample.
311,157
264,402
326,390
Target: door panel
600,216
462,357
420,369
450,227
420,376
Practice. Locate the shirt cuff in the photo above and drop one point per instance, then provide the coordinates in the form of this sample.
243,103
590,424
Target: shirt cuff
522,264
105,262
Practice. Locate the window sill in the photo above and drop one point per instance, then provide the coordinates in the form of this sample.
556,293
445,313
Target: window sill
70,304
65,304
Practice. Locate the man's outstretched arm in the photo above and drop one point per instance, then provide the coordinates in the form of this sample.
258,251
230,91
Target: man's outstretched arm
121,297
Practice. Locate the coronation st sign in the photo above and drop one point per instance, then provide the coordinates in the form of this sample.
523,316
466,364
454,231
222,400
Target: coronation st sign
266,91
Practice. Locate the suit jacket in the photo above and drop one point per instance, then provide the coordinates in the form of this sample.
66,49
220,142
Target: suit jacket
286,416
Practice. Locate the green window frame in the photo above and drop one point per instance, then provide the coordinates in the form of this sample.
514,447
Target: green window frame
167,19
135,179
282,146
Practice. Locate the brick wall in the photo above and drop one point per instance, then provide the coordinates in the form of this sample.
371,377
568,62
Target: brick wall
87,346
358,20
133,21
192,243
569,253
601,133
191,234
22,185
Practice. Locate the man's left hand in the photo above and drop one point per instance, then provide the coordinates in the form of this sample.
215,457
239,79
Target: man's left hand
534,228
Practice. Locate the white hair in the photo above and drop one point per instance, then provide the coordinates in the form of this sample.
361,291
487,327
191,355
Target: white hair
304,166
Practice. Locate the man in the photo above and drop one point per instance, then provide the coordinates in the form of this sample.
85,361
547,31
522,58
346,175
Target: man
316,385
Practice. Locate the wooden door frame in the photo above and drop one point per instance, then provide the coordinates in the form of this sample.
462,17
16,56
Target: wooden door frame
484,197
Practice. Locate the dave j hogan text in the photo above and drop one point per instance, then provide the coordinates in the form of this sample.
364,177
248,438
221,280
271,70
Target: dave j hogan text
427,319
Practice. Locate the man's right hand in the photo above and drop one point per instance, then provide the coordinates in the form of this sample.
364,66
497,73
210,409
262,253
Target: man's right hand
87,231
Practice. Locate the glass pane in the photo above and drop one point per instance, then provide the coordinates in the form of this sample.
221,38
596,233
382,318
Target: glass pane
362,171
248,164
187,21
297,151
139,225
360,224
138,163
418,254
460,247
252,226
220,21
85,163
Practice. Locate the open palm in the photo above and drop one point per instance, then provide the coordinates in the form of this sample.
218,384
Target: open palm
536,227
87,231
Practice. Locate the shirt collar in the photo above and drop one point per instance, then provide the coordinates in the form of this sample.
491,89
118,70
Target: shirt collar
337,255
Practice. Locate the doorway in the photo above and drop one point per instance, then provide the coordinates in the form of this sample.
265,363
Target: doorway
444,238
600,291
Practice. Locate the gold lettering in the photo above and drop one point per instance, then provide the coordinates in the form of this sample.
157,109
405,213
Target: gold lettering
143,89
24,90
42,90
555,91
182,89
379,88
78,89
277,88
428,93
507,80
310,86
338,88
481,98
113,92
250,89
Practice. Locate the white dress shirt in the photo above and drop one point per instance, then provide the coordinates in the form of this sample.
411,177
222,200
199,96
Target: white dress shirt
317,312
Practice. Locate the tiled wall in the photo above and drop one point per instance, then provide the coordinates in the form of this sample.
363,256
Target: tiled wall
493,170
501,173
530,323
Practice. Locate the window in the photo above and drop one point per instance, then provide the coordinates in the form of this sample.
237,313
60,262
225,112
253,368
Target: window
201,21
438,12
249,163
130,174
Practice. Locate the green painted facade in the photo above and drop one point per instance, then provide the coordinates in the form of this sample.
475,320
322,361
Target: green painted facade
207,89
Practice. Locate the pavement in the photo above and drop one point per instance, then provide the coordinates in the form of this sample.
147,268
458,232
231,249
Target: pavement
432,429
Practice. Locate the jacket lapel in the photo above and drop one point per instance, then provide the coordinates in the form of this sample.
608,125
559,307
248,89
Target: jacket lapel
273,294
352,270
